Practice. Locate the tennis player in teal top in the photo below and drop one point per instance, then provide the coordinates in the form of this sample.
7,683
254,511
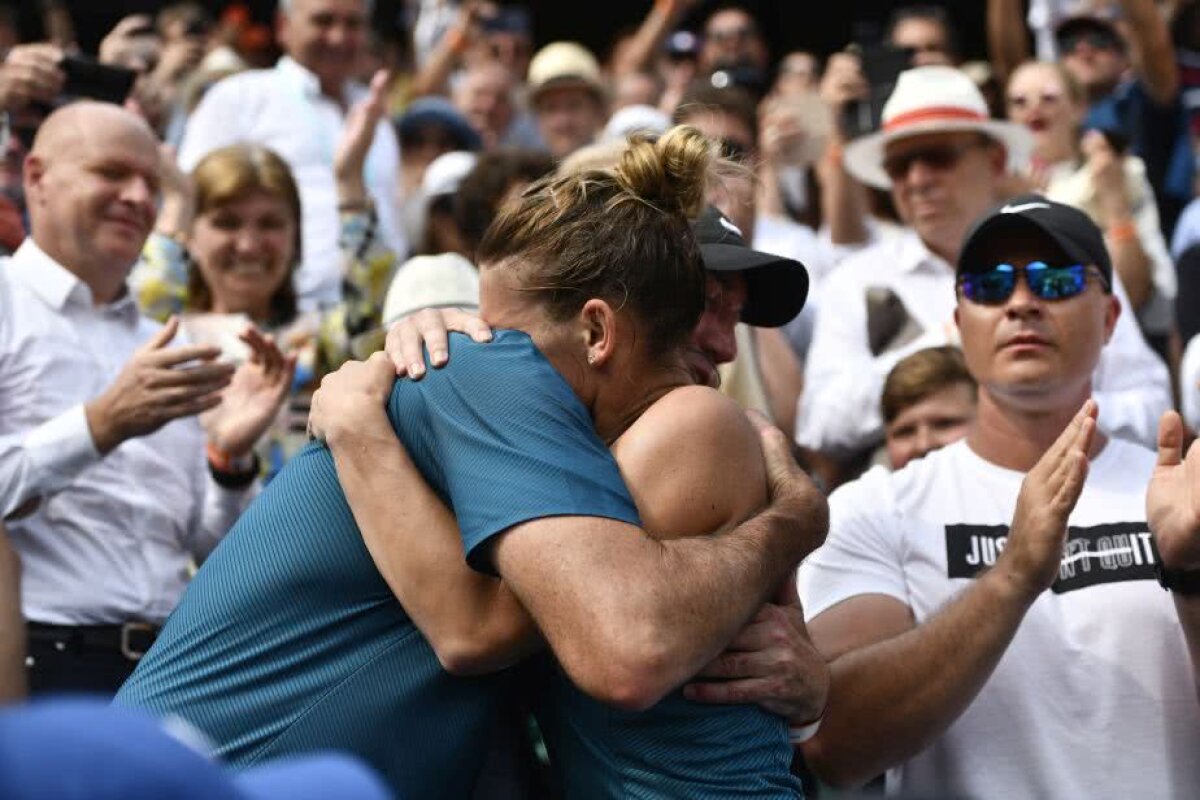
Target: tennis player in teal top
291,637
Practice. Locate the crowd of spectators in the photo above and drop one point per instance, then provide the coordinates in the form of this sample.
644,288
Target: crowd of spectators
995,323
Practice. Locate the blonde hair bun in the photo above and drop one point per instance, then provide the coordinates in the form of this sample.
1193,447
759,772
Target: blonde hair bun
672,172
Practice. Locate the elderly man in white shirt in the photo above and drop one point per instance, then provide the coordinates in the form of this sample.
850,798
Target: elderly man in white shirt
943,159
298,109
104,485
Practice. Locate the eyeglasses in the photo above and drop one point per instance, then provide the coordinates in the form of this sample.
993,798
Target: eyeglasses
939,157
734,150
1023,101
1047,282
1097,40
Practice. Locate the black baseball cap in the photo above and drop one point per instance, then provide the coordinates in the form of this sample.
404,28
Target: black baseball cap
776,287
1075,27
1071,230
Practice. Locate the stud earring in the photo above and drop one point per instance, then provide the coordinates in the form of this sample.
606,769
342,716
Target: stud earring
591,359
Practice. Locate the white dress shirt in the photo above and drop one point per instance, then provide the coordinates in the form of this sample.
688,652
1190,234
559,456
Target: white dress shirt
843,381
283,109
113,537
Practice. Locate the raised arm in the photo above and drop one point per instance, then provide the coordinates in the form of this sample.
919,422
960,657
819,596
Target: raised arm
159,280
896,685
664,17
1007,36
351,329
1152,51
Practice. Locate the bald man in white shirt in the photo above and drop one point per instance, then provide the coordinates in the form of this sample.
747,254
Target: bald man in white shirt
104,486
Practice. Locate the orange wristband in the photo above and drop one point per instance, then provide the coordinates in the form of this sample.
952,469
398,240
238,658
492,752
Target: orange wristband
1124,231
221,461
456,40
833,152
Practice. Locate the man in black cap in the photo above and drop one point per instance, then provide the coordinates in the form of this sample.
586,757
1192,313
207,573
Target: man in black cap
991,611
745,285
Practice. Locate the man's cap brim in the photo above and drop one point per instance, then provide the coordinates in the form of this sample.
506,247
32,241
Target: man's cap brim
777,287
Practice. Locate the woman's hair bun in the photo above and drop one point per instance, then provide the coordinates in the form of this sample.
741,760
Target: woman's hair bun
670,172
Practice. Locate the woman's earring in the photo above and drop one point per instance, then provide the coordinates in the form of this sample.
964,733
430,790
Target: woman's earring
591,358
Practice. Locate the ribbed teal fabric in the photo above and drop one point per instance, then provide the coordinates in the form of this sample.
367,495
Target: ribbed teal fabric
288,640
676,750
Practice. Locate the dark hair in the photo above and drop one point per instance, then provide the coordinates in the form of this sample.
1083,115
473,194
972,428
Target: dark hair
920,375
731,5
621,235
930,13
487,185
702,97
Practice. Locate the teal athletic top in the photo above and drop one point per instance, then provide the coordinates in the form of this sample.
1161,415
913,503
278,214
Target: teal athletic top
676,749
288,639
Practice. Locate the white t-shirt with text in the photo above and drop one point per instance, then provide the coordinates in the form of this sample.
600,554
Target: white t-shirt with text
1094,696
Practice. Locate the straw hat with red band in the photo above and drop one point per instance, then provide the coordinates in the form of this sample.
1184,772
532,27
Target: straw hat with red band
932,99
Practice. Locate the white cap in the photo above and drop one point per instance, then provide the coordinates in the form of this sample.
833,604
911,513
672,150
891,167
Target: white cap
635,119
932,99
446,172
446,280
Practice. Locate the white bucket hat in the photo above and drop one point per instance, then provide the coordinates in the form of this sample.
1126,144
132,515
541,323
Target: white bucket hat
443,281
932,99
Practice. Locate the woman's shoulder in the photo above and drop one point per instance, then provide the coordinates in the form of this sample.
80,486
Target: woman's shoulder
693,463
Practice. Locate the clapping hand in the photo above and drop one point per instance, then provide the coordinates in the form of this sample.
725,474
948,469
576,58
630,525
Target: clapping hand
1033,554
253,397
1173,498
351,154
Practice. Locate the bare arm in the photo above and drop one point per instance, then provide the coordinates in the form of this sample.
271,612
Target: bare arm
664,17
1130,259
1152,50
471,620
896,687
435,75
843,199
631,618
1007,36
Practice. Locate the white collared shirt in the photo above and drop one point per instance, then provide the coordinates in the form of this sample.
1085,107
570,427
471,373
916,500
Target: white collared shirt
843,381
113,537
283,109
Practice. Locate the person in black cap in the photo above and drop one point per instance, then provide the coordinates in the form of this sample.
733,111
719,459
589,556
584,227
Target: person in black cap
993,611
744,285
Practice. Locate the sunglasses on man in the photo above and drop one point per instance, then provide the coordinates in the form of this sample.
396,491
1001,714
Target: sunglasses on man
1046,282
938,157
1097,40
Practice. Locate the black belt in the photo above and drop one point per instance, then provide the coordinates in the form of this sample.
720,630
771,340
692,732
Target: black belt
131,639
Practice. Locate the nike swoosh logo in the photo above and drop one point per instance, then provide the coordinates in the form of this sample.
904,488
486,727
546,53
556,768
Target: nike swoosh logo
1017,209
729,226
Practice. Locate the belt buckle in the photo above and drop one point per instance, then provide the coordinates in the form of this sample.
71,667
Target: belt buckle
127,649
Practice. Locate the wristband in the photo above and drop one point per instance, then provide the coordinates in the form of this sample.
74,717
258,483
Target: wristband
1124,231
1182,582
220,461
456,40
799,734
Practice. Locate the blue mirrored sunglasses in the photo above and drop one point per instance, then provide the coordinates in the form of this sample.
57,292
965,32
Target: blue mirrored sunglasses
1046,282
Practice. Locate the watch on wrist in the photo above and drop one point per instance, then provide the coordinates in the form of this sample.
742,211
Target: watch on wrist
1179,581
